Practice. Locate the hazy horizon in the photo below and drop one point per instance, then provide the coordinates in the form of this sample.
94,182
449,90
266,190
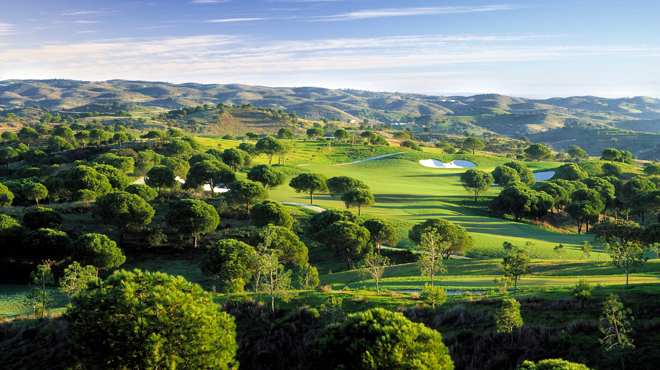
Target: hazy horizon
534,48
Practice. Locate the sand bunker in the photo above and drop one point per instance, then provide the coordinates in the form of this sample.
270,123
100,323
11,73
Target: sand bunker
459,163
544,176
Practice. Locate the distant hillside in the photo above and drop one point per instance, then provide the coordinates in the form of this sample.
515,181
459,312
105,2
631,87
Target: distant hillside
548,120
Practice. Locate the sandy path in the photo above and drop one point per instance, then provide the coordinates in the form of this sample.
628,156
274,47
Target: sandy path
369,159
308,206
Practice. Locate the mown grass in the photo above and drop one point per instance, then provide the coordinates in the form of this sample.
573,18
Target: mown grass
13,301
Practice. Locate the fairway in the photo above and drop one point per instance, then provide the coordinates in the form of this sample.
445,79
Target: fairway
410,192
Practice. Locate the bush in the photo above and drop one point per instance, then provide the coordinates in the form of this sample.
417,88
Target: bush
42,218
410,144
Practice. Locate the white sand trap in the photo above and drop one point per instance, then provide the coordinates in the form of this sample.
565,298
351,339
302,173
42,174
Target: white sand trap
544,176
459,163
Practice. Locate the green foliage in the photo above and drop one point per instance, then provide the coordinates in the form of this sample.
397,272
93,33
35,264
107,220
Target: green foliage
180,167
192,217
271,212
212,173
611,169
504,175
582,290
236,158
6,196
314,132
76,278
472,143
40,296
571,172
454,238
308,277
377,339
626,256
160,177
514,266
269,146
341,135
339,185
179,149
358,198
610,154
285,133
372,267
229,260
283,240
616,327
246,192
617,231
347,238
322,220
476,181
44,244
381,232
521,201
124,164
508,318
538,151
430,260
143,191
8,155
411,144
309,183
268,176
84,177
524,173
122,210
118,180
551,364
38,218
96,250
433,295
139,320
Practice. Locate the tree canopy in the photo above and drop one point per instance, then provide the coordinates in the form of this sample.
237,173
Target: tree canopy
309,183
96,250
229,260
123,210
338,185
284,240
271,212
358,198
137,320
538,152
246,192
268,176
377,339
476,181
42,218
192,217
472,143
457,239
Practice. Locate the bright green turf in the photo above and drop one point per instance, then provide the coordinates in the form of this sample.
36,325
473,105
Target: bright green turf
12,301
479,274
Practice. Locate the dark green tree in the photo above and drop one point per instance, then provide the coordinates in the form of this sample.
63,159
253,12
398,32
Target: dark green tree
508,318
347,238
616,327
246,192
179,148
35,191
46,218
538,151
524,173
44,244
472,143
476,181
377,339
455,237
84,177
504,175
314,132
338,185
236,158
341,135
211,173
291,249
358,198
381,232
309,183
144,320
122,210
271,212
96,250
268,176
514,265
285,133
6,196
118,179
610,154
577,153
322,220
231,261
626,256
583,212
8,155
160,177
269,146
611,169
192,217
143,191
180,167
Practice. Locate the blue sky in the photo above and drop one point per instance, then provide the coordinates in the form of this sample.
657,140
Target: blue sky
521,48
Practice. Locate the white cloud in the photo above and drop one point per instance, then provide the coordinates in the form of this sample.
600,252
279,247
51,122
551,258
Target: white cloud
228,20
209,1
85,22
7,29
404,12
